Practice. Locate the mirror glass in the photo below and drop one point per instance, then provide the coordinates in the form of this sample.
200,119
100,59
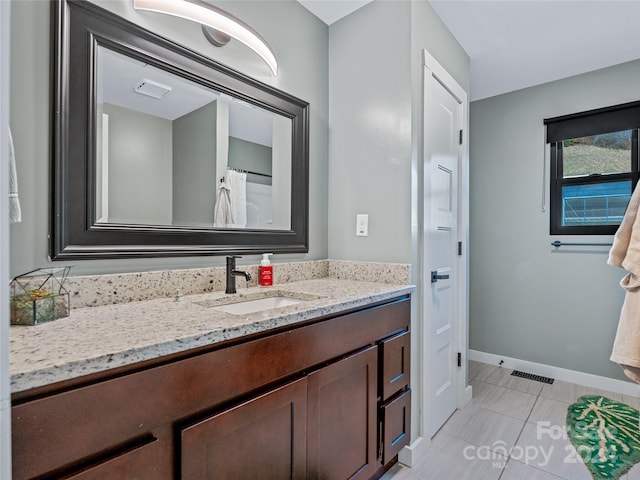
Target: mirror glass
170,151
159,150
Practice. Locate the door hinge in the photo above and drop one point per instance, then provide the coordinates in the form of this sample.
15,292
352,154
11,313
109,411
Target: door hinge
459,359
460,137
459,248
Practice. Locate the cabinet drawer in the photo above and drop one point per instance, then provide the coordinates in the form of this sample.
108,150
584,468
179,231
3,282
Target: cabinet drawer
143,461
395,361
396,425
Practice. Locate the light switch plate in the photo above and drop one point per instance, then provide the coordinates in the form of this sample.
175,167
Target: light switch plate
362,225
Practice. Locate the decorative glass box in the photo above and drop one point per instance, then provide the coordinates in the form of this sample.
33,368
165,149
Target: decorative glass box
39,296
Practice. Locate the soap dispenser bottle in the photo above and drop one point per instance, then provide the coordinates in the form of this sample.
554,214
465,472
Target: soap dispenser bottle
265,272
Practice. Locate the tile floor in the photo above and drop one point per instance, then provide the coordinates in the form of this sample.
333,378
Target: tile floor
513,429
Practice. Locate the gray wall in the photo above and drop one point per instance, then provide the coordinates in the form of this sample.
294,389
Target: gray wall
300,42
139,167
370,124
194,166
428,31
375,85
375,105
529,301
251,157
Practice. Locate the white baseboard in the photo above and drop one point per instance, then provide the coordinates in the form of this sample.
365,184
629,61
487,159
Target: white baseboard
467,395
410,454
573,376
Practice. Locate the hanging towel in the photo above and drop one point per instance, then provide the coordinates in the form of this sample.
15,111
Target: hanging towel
238,192
222,215
15,213
625,253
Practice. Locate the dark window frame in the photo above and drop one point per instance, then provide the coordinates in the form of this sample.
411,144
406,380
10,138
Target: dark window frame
583,124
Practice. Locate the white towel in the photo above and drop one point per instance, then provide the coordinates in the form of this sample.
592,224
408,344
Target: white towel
625,252
222,214
237,182
15,213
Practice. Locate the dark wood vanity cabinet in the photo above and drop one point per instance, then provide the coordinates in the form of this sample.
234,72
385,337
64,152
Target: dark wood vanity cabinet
395,394
342,419
264,437
148,460
309,402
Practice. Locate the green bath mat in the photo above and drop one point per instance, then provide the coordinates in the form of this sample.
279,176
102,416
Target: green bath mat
605,434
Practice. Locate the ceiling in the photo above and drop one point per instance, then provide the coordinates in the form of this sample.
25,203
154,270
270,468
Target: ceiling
515,44
119,75
330,11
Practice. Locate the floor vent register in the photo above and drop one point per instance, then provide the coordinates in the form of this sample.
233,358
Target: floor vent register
531,376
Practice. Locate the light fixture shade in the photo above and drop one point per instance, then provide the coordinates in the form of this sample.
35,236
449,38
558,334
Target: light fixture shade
206,14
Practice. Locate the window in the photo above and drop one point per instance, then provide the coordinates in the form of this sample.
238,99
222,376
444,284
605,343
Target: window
594,168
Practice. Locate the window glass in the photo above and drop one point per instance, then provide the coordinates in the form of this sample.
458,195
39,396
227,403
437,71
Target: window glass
595,204
594,167
597,154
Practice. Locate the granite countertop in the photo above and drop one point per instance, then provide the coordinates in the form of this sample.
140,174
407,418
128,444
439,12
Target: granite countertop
94,339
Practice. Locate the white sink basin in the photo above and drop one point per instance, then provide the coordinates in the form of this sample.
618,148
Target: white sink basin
251,302
258,305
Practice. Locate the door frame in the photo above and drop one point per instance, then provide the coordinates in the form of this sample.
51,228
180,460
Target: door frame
5,395
438,71
464,391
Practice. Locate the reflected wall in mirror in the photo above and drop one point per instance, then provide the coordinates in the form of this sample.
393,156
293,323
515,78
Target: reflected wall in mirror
160,151
164,145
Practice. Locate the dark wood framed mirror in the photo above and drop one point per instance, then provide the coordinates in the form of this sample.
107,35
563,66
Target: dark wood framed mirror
109,179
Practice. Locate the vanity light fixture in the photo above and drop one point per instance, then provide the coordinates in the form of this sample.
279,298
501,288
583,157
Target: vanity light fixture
218,26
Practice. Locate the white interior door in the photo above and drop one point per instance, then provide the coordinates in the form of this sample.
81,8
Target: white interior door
443,152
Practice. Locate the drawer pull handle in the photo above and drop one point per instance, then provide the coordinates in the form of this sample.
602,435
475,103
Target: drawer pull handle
398,438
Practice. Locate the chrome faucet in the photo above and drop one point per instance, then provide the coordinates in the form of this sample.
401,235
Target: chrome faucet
232,273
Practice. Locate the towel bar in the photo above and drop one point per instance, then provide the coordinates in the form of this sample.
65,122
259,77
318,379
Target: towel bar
558,244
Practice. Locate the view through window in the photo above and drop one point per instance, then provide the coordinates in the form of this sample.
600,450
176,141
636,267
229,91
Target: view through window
594,169
591,158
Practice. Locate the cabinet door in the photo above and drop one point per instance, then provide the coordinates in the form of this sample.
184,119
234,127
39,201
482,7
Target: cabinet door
342,418
264,438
